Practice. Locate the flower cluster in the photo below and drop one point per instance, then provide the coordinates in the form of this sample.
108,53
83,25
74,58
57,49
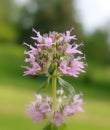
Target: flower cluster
41,108
51,51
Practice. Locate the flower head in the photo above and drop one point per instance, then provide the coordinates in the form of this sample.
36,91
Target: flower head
54,48
41,108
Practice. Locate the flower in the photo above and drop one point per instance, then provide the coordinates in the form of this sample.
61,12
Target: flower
38,116
45,107
72,68
73,50
57,119
32,70
68,110
68,38
78,102
39,38
40,108
77,99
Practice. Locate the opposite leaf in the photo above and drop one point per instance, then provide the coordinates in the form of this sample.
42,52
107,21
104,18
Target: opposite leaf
67,85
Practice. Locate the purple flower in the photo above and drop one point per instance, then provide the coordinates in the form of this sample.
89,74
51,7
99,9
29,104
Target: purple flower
32,70
73,50
48,41
31,111
77,66
33,50
57,119
68,38
40,108
64,67
38,116
39,38
72,68
69,110
59,48
34,111
77,99
31,58
45,107
74,106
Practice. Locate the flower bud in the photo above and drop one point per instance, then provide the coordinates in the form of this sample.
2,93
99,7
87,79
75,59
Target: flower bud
59,48
52,68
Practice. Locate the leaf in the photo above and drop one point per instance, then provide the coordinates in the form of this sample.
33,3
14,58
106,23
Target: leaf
50,126
67,85
44,85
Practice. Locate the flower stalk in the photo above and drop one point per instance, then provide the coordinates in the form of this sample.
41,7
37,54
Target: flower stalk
54,79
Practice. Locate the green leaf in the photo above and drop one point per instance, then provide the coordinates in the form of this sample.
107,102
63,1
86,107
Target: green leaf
50,126
46,84
67,85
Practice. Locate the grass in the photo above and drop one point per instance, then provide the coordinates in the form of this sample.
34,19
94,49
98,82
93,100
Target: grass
16,91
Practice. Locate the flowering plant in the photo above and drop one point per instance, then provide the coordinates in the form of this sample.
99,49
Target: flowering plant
54,56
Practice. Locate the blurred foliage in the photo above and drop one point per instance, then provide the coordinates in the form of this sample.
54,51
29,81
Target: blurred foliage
96,47
45,16
7,30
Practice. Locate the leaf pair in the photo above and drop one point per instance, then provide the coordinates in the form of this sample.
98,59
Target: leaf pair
63,83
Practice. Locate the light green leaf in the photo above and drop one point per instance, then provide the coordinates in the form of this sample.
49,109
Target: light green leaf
67,85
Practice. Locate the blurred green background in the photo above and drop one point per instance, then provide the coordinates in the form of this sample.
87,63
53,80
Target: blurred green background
17,17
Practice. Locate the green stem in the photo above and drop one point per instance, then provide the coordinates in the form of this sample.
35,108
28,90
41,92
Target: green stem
54,79
52,126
